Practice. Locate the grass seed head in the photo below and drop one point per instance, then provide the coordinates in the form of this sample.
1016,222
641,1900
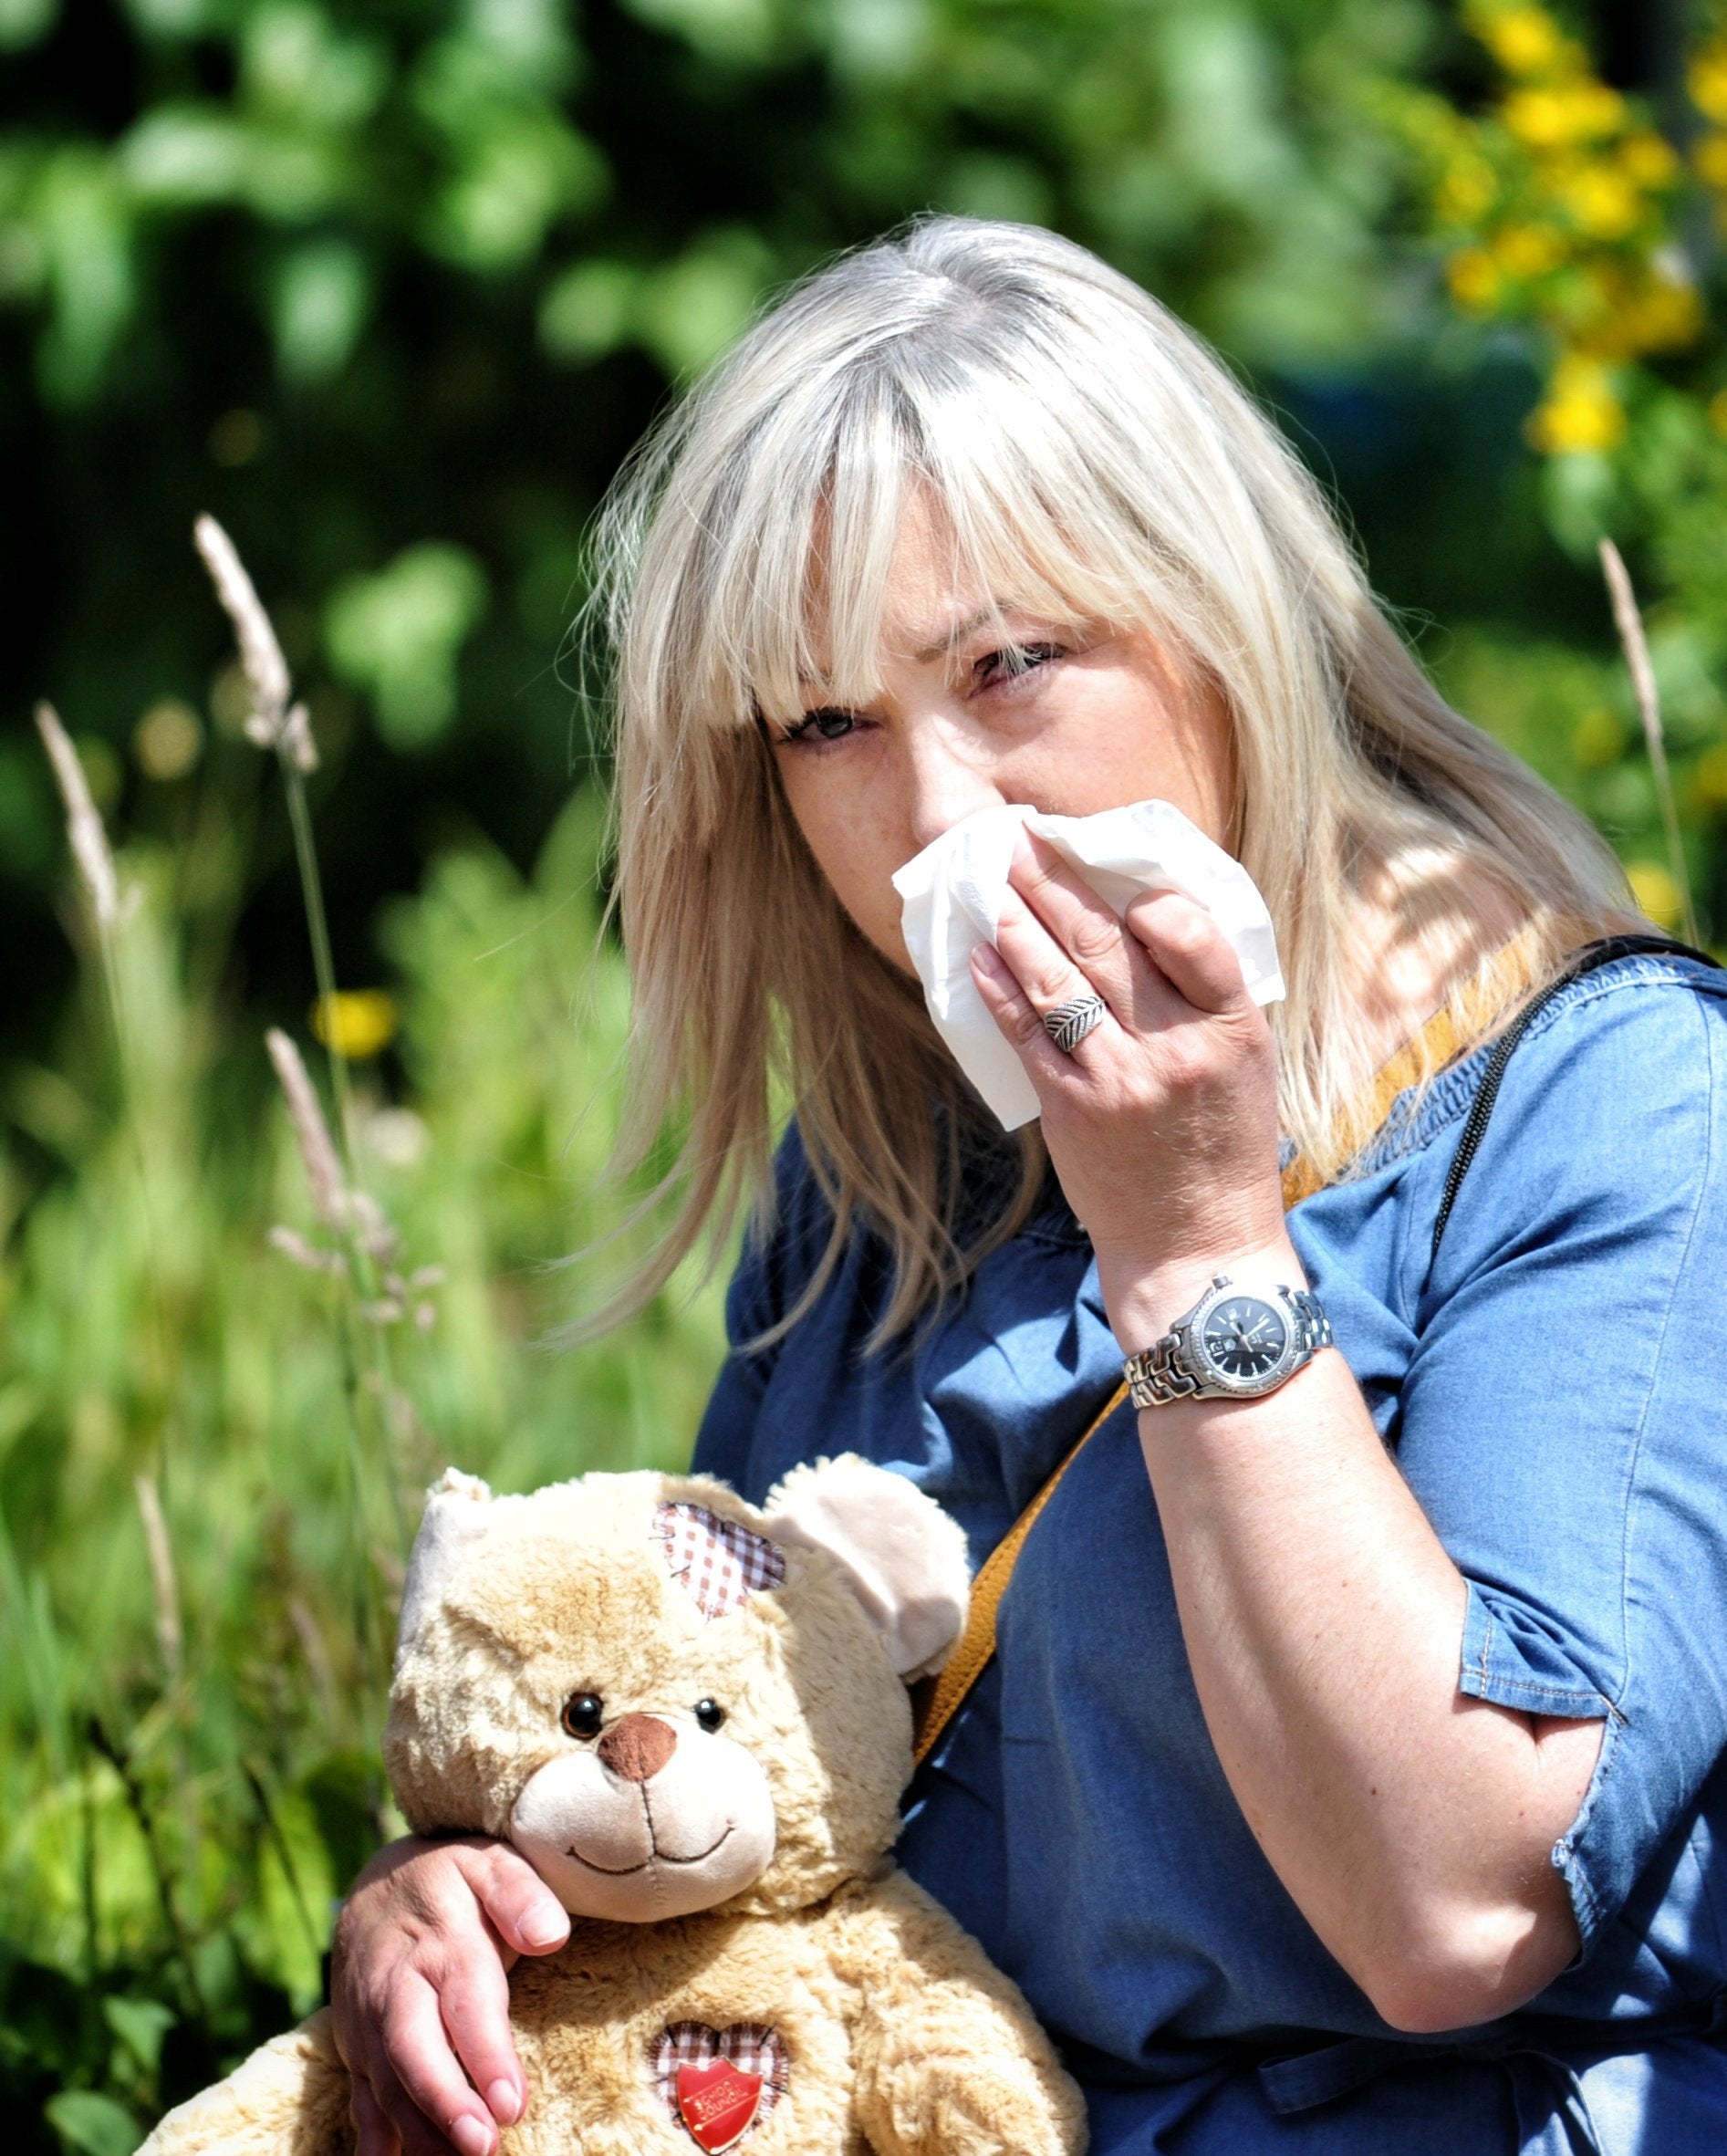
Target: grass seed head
274,722
318,1156
84,829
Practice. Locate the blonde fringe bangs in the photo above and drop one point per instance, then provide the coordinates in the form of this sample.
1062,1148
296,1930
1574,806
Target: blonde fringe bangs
1090,460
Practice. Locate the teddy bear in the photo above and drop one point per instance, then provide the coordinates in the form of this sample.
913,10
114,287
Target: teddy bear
692,1716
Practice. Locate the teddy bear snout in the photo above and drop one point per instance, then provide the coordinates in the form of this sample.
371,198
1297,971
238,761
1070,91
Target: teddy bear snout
637,1748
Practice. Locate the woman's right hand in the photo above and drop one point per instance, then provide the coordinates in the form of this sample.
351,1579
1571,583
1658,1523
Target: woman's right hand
419,1993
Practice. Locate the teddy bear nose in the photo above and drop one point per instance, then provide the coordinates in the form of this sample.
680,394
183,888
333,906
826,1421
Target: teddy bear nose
636,1748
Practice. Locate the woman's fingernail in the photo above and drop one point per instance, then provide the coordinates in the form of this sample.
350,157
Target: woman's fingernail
542,1926
505,2104
988,961
470,2137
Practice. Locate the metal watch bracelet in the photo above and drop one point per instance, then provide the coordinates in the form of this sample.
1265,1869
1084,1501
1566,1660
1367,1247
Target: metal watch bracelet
1157,1376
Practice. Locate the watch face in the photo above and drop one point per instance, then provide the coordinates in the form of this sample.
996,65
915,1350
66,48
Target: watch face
1246,1338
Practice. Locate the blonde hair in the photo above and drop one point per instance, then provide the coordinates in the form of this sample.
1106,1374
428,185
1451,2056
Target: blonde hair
1091,460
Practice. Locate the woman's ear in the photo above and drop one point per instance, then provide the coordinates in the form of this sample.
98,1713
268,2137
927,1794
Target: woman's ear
904,1558
457,1506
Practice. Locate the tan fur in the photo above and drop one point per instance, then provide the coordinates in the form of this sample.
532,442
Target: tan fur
900,2038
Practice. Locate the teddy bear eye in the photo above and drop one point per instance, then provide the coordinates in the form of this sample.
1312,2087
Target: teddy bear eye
710,1713
582,1714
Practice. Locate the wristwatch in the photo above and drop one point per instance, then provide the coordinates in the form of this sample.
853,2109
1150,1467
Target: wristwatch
1230,1345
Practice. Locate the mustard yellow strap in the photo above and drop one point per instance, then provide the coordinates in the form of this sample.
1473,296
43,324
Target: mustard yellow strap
936,1701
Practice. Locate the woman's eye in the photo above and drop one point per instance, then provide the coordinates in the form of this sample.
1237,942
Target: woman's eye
999,668
708,1713
582,1715
828,724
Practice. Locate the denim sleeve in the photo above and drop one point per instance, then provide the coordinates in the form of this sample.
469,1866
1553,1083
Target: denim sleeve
1564,1419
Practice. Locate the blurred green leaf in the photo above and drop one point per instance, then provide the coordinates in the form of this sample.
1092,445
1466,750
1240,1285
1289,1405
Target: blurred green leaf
694,306
322,292
295,65
22,22
83,229
398,635
737,31
93,2124
585,310
141,2025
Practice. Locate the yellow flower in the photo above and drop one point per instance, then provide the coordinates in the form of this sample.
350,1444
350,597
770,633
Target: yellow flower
1657,894
1475,280
1706,79
1580,414
1523,40
1710,158
1550,118
356,1023
1648,160
1604,203
1527,250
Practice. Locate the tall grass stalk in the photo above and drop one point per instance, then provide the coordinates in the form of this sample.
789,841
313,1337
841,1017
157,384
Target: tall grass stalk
86,840
278,722
337,1211
1629,623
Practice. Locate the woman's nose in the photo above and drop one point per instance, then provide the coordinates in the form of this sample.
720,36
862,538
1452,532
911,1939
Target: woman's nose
948,779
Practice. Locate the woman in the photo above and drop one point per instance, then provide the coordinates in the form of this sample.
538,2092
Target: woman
1345,1775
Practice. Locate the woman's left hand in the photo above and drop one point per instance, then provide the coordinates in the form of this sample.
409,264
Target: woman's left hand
1162,1122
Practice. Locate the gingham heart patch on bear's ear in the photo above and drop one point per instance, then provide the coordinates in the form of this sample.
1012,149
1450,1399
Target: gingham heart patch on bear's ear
717,1560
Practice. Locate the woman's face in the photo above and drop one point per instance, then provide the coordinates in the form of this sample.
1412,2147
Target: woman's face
1070,718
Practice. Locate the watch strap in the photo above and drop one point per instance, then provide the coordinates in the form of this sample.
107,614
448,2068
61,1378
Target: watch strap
1158,1374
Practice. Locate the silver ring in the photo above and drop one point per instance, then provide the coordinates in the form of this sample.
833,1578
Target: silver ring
1068,1024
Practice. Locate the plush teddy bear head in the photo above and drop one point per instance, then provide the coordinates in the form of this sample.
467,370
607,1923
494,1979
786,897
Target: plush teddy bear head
665,1698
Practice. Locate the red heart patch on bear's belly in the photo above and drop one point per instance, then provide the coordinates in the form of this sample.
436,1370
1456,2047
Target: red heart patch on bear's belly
717,2103
719,2084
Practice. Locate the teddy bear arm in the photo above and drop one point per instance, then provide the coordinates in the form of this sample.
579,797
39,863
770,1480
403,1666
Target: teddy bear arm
289,2098
951,2059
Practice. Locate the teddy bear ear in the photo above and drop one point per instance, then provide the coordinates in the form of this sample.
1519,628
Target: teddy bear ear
457,1506
905,1559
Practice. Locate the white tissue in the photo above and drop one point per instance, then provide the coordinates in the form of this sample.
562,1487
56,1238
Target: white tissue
953,902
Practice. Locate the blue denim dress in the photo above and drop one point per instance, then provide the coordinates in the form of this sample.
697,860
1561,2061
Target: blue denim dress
1555,1386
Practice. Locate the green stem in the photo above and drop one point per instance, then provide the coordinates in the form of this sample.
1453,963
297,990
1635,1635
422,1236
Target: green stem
365,1272
318,929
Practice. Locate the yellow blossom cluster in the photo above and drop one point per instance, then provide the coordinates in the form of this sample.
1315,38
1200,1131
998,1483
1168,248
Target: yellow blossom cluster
1557,204
1706,81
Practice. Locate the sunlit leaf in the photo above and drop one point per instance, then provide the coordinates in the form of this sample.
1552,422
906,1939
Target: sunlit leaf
93,2124
141,2025
585,310
322,291
693,307
22,22
398,634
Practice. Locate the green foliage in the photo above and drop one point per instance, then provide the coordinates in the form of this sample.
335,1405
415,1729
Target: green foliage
399,633
1582,215
188,1731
